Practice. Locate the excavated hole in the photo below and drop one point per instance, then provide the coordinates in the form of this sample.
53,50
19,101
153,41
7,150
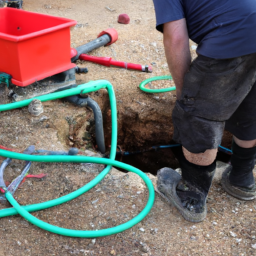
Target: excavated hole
135,133
146,160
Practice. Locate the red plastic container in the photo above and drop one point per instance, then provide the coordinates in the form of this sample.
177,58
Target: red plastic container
33,46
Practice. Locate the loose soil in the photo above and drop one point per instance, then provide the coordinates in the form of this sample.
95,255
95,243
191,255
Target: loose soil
143,120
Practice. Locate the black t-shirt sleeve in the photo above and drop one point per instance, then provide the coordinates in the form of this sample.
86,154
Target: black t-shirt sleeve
166,11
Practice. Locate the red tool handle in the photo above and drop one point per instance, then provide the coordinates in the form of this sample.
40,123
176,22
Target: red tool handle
107,61
38,176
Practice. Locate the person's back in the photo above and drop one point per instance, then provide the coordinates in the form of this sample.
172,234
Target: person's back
222,29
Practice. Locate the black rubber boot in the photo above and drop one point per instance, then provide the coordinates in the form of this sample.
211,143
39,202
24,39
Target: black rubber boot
243,162
188,193
238,178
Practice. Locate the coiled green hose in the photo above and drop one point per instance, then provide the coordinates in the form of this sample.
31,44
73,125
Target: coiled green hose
155,78
24,210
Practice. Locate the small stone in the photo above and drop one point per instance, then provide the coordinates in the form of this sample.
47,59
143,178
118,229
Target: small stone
35,107
154,44
79,25
123,19
18,242
238,240
145,249
142,229
153,231
17,170
43,118
232,234
113,252
110,9
254,246
214,223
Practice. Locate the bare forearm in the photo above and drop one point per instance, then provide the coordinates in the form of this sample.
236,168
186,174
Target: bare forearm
178,59
177,52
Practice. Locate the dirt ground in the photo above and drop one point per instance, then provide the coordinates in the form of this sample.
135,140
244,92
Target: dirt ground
143,119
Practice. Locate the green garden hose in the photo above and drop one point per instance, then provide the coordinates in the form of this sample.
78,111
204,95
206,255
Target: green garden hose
144,83
24,210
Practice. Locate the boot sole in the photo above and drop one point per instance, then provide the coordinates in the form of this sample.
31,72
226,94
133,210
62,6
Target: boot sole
235,191
174,200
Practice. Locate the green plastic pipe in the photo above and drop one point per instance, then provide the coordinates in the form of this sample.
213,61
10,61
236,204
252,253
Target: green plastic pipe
155,78
80,89
94,233
24,210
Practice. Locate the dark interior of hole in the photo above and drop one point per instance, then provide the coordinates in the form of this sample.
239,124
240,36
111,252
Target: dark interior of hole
151,161
154,160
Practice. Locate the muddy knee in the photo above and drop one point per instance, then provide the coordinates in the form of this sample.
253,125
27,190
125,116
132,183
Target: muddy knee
203,159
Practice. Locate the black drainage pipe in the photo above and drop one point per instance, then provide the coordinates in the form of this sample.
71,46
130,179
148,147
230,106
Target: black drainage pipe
83,102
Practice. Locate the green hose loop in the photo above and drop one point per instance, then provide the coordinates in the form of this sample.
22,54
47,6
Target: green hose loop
82,233
24,210
145,82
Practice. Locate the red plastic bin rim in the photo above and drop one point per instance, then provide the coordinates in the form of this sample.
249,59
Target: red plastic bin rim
69,23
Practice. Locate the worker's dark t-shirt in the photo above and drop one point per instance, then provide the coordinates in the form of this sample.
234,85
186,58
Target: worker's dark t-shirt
222,29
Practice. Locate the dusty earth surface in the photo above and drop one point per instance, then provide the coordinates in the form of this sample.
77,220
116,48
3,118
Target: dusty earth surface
144,120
